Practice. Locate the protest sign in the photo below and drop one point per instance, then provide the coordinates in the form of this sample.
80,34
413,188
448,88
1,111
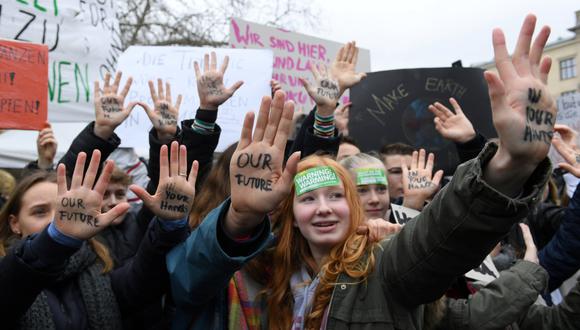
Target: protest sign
23,80
294,54
175,65
392,106
83,39
568,114
485,273
403,214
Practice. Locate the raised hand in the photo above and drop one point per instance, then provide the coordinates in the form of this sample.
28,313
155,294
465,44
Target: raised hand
565,144
452,126
531,249
258,182
524,111
341,118
275,86
110,111
176,190
378,229
210,83
164,115
418,182
46,146
344,65
78,210
325,90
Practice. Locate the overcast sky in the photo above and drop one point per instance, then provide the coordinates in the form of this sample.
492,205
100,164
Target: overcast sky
422,33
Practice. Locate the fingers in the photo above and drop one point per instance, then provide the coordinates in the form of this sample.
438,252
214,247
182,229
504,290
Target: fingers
77,177
127,87
544,70
174,159
160,93
213,62
142,194
521,58
306,84
564,150
341,55
168,92
183,161
163,163
538,46
153,93
148,110
430,162
443,111
355,59
351,52
129,108
235,87
205,63
262,122
178,102
103,180
91,174
197,72
276,110
115,87
437,177
224,66
455,106
192,178
106,87
289,171
246,136
118,211
284,127
504,65
97,93
528,239
61,179
362,230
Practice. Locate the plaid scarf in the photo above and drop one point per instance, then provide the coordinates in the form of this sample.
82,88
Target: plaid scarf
244,313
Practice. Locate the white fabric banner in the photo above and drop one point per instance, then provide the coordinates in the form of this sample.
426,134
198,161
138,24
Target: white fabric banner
83,41
175,65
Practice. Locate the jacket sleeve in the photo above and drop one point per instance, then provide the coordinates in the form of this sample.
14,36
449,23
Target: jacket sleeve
455,232
86,142
28,269
308,143
563,316
500,303
201,267
470,149
561,257
144,278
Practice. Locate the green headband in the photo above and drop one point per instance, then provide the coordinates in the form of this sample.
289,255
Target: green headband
366,176
314,178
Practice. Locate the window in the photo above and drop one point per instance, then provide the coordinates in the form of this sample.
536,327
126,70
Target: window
567,68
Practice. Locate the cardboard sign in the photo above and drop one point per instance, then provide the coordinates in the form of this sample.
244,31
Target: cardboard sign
294,54
403,214
175,65
392,106
568,114
23,80
83,38
485,273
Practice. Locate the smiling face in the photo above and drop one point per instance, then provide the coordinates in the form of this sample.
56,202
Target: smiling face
323,217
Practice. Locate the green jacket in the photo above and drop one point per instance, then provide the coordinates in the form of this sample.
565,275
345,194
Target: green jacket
452,235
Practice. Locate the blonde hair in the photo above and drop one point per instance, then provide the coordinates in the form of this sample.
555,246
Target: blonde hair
353,256
7,183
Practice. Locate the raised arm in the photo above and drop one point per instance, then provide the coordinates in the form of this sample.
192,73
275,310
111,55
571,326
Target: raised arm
489,194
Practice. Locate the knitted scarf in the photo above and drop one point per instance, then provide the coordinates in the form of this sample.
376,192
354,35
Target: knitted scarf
96,291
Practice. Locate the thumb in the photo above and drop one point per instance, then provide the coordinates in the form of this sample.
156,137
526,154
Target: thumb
496,91
142,194
290,170
130,107
305,83
437,177
118,211
235,86
570,169
148,110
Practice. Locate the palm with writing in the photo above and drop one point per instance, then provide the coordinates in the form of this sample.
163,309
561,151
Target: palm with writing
78,211
324,91
176,190
452,126
419,183
210,83
565,144
523,109
258,181
164,115
110,111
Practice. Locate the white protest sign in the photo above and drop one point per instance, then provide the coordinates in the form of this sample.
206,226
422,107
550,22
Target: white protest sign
294,54
485,273
568,114
403,214
83,39
175,65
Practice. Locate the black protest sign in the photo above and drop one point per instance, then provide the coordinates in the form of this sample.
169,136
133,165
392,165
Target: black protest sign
403,214
392,106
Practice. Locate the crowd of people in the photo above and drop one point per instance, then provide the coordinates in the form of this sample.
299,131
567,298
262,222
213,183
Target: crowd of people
291,227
